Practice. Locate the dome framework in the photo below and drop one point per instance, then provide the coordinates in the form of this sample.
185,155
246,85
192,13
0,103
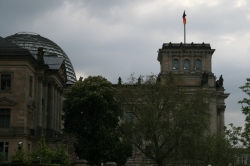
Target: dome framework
33,41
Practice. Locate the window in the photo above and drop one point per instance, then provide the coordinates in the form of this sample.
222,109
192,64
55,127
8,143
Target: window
4,117
4,148
175,64
5,82
129,116
186,64
197,64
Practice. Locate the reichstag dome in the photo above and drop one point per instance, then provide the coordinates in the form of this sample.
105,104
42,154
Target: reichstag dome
33,41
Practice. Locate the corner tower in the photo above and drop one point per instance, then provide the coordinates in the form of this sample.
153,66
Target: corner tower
194,63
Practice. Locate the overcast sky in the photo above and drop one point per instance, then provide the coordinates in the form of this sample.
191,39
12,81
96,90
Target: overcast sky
115,38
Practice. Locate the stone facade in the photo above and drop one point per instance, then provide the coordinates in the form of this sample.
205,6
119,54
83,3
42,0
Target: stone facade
193,62
31,99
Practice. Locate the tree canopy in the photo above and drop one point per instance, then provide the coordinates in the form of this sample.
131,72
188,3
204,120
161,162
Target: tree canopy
92,114
245,102
165,115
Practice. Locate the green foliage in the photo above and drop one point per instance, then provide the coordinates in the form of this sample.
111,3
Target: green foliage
43,154
214,148
47,156
164,115
61,155
92,114
20,155
246,111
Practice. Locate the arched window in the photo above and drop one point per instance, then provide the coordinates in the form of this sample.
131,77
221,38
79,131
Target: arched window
186,64
197,64
175,64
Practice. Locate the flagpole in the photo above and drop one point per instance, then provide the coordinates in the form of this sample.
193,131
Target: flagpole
184,34
184,23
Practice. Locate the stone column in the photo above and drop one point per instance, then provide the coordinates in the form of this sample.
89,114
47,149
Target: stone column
45,104
170,62
39,101
55,107
58,109
192,63
213,118
50,105
203,63
61,112
222,119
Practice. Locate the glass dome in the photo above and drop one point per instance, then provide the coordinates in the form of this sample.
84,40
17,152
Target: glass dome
33,41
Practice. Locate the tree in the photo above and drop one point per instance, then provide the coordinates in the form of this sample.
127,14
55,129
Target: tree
20,155
44,154
245,102
92,114
165,115
61,155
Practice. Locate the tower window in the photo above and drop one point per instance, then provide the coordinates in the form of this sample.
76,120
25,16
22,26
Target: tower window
175,64
197,64
186,64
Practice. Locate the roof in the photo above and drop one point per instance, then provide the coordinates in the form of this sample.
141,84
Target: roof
186,45
53,62
6,45
33,41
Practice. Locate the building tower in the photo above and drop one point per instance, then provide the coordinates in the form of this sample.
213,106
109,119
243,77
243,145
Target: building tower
193,62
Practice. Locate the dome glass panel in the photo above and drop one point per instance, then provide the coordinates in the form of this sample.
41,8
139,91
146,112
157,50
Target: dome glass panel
33,41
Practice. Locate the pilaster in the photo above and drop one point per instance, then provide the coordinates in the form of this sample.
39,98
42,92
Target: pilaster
45,103
221,111
55,107
50,105
39,101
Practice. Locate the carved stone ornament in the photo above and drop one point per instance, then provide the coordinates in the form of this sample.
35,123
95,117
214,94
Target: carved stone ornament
4,101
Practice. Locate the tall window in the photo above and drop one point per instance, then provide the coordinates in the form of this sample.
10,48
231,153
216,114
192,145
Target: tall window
197,64
129,116
4,117
186,64
5,82
4,148
175,64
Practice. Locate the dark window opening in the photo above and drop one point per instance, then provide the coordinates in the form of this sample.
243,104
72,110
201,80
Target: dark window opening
175,64
197,64
186,64
4,148
5,82
4,117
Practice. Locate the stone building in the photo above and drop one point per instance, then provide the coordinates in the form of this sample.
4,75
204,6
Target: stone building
31,95
193,62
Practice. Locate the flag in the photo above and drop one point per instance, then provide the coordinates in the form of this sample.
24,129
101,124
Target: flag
184,18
